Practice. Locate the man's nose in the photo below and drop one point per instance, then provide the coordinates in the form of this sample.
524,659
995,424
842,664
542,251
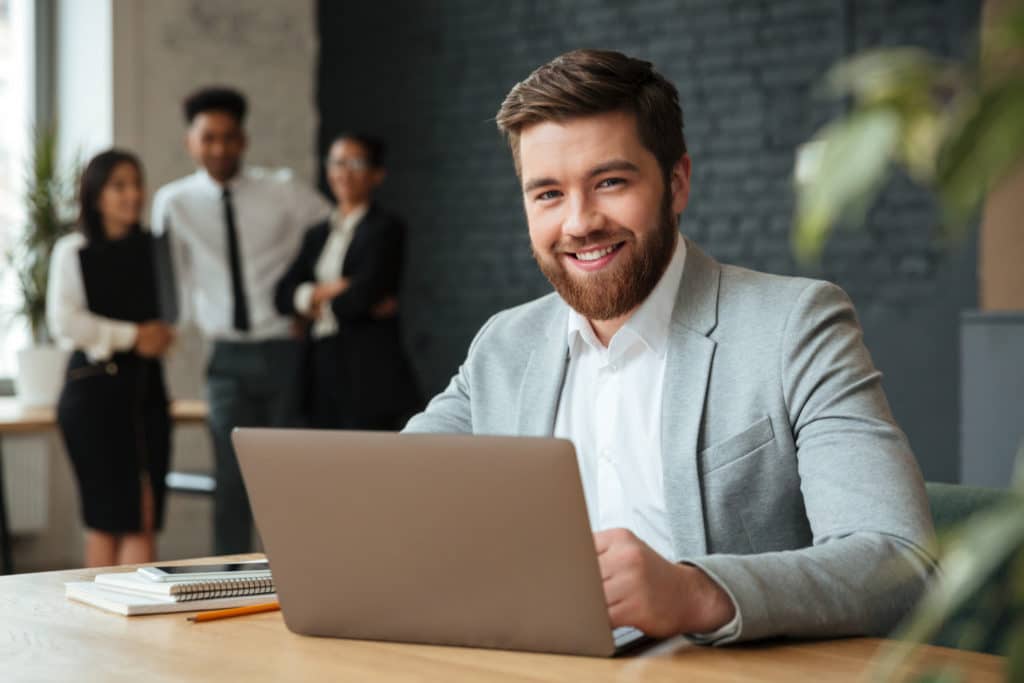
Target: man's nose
582,217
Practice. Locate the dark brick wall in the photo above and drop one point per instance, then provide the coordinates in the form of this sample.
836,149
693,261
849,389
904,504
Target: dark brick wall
429,77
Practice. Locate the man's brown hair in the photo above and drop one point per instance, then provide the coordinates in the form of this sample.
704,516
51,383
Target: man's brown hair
589,82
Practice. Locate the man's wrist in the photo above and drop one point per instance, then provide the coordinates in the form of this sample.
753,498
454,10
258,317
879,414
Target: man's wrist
714,607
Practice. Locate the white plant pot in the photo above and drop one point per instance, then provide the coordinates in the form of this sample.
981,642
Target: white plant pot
40,375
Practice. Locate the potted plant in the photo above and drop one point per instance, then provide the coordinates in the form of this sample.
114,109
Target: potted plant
957,129
41,365
977,598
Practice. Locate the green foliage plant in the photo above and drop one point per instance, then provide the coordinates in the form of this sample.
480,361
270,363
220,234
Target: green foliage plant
982,561
47,203
955,128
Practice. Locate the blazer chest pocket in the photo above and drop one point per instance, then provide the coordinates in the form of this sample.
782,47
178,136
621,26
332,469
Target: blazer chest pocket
737,446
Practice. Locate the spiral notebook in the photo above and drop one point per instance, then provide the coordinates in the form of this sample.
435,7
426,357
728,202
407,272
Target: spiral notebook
132,604
185,591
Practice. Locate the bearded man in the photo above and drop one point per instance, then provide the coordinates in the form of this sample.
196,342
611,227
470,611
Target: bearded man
743,474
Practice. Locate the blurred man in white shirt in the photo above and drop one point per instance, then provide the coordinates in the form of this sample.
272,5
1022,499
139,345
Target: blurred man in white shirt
233,229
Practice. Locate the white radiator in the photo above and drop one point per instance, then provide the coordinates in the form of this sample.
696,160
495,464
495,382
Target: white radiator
26,462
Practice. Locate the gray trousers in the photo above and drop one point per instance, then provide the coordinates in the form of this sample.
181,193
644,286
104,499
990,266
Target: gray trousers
248,384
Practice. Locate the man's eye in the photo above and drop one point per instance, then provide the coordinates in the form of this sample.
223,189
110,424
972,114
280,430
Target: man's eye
549,194
610,182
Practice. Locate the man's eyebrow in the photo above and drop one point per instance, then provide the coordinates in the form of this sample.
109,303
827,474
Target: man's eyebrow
613,165
537,183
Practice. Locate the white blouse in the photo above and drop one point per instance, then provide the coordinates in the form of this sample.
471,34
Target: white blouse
71,322
328,269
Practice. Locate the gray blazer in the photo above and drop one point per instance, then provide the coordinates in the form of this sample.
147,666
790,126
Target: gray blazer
786,478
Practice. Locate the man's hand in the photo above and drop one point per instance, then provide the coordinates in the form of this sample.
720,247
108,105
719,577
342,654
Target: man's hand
662,599
153,338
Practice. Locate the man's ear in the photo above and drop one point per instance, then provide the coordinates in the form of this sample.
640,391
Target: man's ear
679,184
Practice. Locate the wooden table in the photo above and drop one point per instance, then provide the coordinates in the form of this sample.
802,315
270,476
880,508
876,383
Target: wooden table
15,419
44,637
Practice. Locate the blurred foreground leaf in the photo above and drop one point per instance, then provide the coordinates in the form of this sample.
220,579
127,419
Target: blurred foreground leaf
957,129
846,169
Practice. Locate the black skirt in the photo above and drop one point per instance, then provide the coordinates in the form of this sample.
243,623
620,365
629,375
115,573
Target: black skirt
116,425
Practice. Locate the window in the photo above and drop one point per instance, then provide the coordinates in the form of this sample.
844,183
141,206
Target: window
16,105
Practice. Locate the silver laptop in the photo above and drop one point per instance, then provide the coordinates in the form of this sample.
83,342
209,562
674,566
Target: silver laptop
426,538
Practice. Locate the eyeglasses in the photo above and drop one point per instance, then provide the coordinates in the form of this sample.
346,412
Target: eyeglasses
354,164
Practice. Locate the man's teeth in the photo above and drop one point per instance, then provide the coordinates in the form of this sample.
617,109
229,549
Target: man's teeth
594,255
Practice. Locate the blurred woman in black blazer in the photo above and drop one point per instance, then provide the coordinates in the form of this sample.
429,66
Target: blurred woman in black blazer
345,282
102,301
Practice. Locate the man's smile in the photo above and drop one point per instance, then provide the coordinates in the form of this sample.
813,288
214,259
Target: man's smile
594,258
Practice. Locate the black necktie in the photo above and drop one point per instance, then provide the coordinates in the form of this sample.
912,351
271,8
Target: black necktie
241,312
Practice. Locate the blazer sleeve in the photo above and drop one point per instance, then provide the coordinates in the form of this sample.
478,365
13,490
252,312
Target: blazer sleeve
301,270
451,411
178,275
873,543
378,272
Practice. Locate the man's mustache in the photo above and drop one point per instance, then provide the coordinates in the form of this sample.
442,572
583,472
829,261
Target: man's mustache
594,239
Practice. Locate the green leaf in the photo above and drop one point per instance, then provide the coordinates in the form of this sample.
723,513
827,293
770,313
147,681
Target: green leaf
924,133
981,545
853,155
1015,663
1003,38
885,75
986,143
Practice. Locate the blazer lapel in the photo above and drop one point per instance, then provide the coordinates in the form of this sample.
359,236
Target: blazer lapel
360,233
541,388
687,369
312,249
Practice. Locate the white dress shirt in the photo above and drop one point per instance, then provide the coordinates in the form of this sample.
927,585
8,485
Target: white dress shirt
328,269
610,408
71,322
272,211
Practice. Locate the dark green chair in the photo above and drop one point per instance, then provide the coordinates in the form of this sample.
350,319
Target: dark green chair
954,503
983,622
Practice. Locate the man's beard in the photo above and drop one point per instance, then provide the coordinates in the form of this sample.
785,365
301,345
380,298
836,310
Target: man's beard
613,291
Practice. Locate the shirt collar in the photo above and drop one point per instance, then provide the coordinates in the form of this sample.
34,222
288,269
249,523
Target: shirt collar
206,181
650,323
349,221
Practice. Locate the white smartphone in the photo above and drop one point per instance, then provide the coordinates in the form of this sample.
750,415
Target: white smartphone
197,572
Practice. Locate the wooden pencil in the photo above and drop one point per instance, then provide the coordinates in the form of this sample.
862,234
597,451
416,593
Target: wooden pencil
235,612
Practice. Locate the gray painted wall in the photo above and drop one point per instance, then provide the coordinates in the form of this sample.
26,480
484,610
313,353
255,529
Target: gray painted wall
993,384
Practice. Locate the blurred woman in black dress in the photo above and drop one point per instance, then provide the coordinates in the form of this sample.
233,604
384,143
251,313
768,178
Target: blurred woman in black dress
113,410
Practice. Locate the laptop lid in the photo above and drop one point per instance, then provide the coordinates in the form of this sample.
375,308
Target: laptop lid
428,538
